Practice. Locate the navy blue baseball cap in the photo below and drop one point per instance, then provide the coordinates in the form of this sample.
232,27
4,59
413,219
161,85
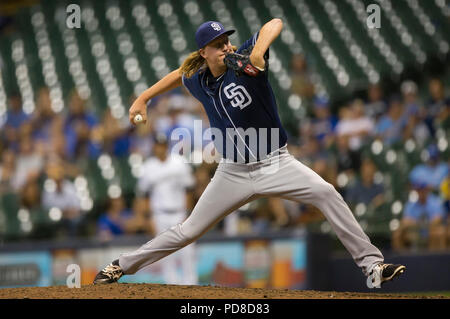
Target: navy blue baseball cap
209,31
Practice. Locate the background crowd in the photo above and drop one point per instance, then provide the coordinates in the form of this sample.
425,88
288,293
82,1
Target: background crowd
43,153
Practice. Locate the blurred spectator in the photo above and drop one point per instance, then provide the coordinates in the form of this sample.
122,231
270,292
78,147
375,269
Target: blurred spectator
114,221
59,192
30,195
141,140
15,118
301,79
355,125
28,164
202,175
140,222
270,215
365,190
294,147
7,169
375,106
415,114
438,105
311,151
323,123
390,127
422,222
411,100
78,127
444,190
116,137
347,161
445,195
327,169
42,120
433,172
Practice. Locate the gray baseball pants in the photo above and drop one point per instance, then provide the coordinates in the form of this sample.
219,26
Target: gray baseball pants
235,184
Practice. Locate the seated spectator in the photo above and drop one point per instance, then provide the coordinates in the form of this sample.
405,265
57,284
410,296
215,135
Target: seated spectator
60,193
311,151
77,129
15,118
356,125
269,214
347,160
326,167
7,169
141,140
28,163
390,127
116,138
375,106
42,120
30,195
140,222
202,174
445,195
414,114
323,123
301,79
422,221
433,172
113,222
365,190
438,105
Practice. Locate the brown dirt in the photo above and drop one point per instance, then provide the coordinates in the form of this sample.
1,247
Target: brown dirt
154,291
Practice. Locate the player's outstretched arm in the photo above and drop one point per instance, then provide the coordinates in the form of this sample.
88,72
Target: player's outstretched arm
167,83
267,34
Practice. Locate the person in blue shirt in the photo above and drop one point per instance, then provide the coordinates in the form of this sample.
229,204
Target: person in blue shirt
433,172
390,126
324,123
78,126
15,118
233,86
114,221
423,220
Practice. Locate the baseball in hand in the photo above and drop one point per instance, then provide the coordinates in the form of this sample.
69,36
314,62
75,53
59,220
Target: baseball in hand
138,118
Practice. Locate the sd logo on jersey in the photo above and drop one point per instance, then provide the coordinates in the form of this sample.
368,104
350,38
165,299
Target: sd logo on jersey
238,95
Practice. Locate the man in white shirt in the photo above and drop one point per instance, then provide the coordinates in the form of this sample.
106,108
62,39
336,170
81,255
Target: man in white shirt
355,125
166,180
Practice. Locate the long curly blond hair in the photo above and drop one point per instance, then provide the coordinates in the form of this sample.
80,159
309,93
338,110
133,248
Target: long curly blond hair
194,62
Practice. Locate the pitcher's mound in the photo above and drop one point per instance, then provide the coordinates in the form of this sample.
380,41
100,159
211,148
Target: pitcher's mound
155,291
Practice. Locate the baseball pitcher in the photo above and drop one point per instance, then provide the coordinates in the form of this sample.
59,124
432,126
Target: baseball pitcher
233,86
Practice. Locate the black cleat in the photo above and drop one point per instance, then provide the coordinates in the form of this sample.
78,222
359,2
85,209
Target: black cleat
109,274
382,273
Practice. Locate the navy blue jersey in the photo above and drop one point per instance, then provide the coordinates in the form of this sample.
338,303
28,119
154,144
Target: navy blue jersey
242,112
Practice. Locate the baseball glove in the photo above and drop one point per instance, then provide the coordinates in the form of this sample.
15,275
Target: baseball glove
241,64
